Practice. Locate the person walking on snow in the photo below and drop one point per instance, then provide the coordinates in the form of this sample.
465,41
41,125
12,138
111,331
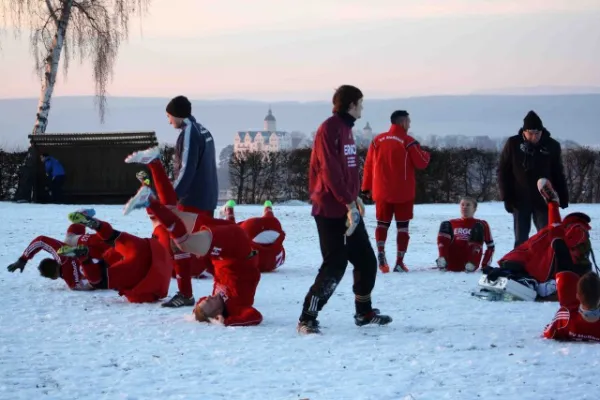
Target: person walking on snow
389,179
334,187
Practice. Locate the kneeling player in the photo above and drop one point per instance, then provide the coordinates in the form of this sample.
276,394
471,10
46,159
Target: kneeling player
578,317
460,241
266,234
236,273
139,269
533,263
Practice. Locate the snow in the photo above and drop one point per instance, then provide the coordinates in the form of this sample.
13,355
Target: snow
443,343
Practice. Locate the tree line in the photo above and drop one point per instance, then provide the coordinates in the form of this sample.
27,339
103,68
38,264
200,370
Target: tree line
254,177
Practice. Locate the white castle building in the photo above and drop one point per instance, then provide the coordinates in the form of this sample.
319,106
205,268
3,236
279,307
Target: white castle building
269,139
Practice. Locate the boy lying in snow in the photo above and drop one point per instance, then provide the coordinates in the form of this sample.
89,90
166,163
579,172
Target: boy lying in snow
460,241
83,272
266,234
578,317
236,274
140,269
534,263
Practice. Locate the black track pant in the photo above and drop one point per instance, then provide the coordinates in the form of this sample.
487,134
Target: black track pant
337,250
522,216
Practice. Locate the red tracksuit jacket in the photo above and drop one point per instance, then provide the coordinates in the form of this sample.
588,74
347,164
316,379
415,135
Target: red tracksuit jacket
389,172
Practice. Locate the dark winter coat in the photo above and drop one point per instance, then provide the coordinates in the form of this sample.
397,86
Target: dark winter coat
196,167
522,164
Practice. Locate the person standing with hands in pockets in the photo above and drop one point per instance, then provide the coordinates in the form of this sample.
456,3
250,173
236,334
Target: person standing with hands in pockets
334,186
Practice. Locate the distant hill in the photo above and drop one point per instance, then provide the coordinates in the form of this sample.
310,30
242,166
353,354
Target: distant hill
574,116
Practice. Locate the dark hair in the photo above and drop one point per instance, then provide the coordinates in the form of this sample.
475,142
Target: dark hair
48,268
344,97
471,199
398,114
588,290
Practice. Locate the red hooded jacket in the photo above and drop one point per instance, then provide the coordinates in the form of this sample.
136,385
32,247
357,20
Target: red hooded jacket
389,172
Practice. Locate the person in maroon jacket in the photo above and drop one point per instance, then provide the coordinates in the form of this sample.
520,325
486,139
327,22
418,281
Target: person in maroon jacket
334,187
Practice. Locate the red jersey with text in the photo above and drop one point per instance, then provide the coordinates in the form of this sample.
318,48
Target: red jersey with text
568,323
460,249
333,172
72,271
389,172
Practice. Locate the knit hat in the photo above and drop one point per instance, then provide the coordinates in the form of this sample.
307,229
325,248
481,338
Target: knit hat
532,122
179,107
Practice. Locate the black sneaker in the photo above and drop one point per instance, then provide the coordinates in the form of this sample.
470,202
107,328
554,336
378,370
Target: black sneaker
179,300
308,327
373,317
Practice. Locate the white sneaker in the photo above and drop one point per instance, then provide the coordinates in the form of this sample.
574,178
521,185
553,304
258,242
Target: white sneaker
441,263
140,200
470,267
546,289
547,191
143,156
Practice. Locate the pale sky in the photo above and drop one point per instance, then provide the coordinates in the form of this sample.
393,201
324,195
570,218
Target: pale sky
301,50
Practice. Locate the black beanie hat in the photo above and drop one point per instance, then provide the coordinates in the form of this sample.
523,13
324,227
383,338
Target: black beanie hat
532,122
180,107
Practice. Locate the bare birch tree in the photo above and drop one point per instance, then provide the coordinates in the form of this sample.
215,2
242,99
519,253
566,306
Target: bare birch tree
91,30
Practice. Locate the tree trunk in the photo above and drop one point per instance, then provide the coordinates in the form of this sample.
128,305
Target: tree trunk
51,67
28,172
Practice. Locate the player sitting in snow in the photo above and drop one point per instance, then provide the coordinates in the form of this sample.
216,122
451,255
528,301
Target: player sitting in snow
266,234
140,269
236,273
533,263
81,272
460,241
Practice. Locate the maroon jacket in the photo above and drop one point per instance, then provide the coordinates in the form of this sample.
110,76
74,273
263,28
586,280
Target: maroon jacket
333,175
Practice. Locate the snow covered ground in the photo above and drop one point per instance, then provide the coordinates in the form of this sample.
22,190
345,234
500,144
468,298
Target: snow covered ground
443,343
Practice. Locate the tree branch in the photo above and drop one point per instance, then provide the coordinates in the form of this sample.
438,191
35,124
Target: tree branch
52,12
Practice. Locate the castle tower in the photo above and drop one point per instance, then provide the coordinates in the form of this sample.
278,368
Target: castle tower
367,131
270,122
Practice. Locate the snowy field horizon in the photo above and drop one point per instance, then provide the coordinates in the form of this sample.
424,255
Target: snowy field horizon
443,343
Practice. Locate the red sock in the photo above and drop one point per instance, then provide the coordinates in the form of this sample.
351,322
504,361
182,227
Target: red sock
163,186
402,240
553,213
169,220
183,267
444,242
76,229
381,235
105,231
229,214
268,212
475,253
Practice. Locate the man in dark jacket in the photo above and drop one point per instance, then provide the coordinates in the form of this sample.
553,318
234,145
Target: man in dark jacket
528,156
334,187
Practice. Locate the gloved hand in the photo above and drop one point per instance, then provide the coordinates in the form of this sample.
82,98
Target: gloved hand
19,264
353,218
366,194
564,204
361,206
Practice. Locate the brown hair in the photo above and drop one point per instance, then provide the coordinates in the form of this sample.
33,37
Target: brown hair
469,198
344,97
200,314
588,290
48,268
